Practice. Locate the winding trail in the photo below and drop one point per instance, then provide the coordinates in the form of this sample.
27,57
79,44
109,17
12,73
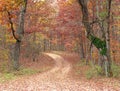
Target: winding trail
61,68
55,79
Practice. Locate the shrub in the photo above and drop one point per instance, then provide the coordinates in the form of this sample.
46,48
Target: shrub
6,77
4,54
98,70
91,73
95,71
115,70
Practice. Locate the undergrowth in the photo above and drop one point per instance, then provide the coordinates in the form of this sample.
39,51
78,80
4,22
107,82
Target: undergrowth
10,75
6,73
94,71
115,70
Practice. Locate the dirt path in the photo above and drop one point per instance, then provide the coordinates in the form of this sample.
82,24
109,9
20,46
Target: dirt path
54,80
61,68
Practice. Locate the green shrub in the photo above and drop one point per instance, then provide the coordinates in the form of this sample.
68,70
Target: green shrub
28,71
95,71
115,70
6,77
98,70
9,76
80,63
91,73
25,71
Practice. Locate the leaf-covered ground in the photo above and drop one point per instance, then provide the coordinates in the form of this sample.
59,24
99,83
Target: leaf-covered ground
61,77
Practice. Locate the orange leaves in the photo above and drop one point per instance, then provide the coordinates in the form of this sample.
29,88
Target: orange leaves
9,4
8,9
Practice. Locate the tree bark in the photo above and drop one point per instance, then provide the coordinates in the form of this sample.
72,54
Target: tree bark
108,62
81,49
106,56
19,35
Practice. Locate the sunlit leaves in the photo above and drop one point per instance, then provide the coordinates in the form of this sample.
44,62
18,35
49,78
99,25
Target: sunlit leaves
10,4
38,16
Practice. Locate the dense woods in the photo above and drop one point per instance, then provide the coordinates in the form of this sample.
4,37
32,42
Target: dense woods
89,28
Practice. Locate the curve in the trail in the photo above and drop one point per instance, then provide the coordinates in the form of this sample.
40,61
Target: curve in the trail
55,79
61,67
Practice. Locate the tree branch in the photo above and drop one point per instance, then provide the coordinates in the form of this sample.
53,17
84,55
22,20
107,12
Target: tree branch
11,25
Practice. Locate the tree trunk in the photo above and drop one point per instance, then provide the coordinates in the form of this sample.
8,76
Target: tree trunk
18,36
81,49
16,55
108,61
91,37
45,44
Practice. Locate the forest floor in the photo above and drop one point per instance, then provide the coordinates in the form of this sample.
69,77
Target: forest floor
62,75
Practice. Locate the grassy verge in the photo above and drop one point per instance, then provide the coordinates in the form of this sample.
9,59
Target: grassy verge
11,75
6,76
94,71
28,67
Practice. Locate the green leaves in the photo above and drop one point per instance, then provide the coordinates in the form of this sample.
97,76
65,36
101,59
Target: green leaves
100,44
103,51
103,14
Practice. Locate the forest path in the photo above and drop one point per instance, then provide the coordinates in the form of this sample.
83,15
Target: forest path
55,79
61,67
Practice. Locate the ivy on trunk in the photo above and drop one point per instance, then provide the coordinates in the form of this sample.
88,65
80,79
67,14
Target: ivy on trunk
102,45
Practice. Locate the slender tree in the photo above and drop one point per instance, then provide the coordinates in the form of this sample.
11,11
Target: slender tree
18,35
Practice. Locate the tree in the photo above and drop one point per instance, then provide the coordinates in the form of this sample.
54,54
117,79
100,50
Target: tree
102,45
19,35
8,7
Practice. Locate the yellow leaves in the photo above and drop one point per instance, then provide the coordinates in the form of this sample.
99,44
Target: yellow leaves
43,20
4,54
10,39
39,4
70,2
9,4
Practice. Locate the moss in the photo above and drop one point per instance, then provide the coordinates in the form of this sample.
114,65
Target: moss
100,44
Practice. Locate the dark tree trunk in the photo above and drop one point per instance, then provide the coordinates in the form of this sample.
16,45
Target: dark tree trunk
18,36
81,49
45,42
86,22
16,55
